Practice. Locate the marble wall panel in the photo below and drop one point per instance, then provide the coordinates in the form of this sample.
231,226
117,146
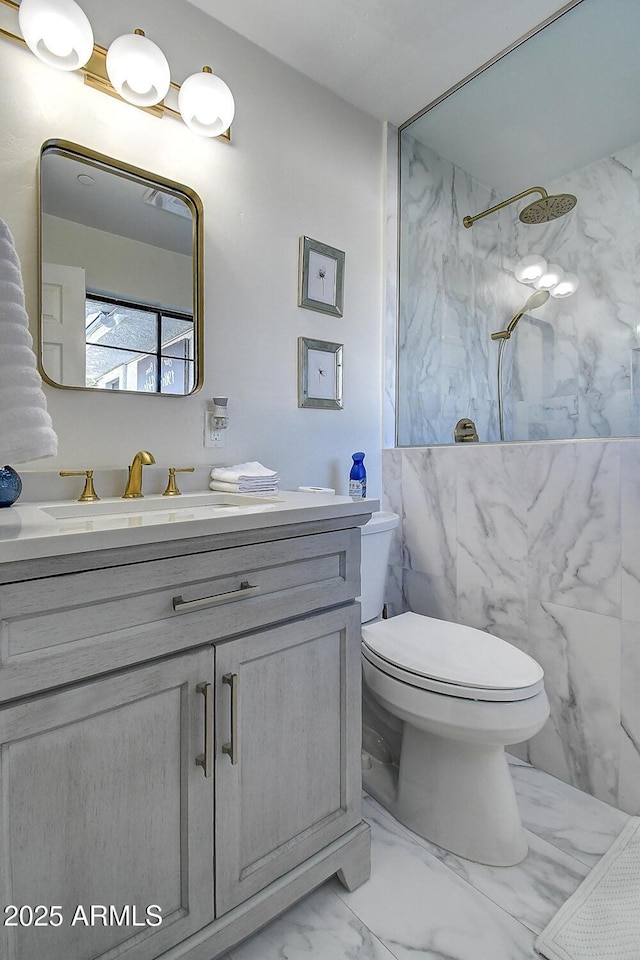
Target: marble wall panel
429,498
526,541
630,718
630,530
580,654
574,525
499,611
492,517
391,500
453,293
430,595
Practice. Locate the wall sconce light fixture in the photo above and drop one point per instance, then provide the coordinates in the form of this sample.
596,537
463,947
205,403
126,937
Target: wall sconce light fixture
535,271
134,68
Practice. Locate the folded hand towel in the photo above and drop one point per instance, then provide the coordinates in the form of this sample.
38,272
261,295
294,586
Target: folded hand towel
26,431
254,484
267,486
241,472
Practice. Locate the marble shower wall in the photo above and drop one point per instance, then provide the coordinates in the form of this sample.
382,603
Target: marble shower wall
453,288
573,367
577,361
538,544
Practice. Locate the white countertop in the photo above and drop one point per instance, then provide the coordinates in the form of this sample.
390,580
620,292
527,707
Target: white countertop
28,531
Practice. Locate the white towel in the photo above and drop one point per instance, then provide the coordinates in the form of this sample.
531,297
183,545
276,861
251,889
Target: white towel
243,487
26,431
251,472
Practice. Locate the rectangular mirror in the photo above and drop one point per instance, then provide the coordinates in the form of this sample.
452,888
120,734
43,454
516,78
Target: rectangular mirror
120,276
558,115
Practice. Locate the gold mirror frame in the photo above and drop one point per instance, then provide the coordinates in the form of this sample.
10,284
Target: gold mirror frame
153,181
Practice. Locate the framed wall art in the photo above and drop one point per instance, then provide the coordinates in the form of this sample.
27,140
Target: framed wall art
319,374
320,277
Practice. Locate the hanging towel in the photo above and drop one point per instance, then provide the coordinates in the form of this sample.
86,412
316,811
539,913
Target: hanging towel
26,431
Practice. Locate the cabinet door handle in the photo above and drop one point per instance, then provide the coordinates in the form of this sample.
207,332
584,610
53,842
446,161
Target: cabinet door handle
246,590
232,747
205,760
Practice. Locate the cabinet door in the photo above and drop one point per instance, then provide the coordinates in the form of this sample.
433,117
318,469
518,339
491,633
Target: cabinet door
99,783
294,785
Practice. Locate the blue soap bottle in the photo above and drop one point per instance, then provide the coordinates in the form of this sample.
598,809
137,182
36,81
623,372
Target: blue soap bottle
358,478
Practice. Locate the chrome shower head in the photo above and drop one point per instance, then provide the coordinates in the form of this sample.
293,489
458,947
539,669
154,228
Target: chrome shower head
548,208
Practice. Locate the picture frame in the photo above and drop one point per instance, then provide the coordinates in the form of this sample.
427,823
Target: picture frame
320,277
319,374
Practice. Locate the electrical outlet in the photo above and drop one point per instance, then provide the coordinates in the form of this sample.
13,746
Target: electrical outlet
212,438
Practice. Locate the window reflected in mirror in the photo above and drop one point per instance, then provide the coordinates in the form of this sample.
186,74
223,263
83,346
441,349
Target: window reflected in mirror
121,278
137,347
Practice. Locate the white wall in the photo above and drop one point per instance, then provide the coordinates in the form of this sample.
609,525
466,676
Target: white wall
120,266
302,162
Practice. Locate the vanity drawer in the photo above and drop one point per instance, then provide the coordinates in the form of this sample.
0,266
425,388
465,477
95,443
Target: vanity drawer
58,629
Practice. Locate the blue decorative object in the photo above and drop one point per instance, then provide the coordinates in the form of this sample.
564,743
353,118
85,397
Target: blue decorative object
10,486
358,478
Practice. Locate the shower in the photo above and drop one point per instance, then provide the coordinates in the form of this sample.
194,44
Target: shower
535,300
548,207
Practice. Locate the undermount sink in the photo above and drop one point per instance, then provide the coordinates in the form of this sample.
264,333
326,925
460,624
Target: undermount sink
154,504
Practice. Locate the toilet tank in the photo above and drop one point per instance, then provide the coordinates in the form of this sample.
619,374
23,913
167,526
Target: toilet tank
376,543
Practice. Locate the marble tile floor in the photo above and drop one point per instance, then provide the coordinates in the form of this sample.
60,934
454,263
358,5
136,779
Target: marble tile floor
426,904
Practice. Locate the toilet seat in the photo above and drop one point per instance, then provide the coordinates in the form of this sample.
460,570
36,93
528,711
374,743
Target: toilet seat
451,659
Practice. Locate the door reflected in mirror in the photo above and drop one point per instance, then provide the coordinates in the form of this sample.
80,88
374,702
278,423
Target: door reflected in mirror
121,276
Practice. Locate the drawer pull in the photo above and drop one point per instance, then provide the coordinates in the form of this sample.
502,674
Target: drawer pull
246,590
232,748
205,760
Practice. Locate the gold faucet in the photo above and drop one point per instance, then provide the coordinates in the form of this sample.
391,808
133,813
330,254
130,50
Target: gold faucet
134,483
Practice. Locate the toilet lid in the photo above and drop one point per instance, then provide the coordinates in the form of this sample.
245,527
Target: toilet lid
451,653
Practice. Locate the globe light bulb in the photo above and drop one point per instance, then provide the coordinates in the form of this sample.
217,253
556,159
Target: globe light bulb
206,104
138,69
58,32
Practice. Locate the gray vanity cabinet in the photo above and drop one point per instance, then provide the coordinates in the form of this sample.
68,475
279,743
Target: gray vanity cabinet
179,738
288,783
102,804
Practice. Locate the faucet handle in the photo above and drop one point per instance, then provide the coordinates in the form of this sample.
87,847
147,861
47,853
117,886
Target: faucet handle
88,494
172,486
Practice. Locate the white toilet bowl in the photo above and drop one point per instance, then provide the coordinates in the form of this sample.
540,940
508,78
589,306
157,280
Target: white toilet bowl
453,784
457,696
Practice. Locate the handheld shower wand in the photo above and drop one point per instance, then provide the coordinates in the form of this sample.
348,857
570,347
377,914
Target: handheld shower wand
535,300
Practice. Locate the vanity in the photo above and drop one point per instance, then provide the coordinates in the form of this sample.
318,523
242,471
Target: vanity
179,721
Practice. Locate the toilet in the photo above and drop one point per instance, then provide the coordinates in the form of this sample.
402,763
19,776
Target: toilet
440,703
